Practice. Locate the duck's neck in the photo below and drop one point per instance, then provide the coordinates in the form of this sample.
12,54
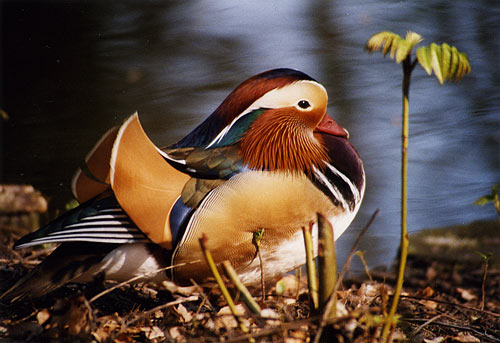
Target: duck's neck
280,141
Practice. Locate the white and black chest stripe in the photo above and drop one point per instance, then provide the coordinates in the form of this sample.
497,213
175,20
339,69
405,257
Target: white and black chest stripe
342,177
337,187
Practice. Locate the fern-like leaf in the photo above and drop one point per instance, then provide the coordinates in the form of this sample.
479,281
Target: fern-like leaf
392,43
445,61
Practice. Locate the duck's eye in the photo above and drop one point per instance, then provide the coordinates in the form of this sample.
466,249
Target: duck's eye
304,104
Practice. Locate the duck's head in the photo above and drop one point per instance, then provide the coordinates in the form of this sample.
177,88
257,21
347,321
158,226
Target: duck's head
273,116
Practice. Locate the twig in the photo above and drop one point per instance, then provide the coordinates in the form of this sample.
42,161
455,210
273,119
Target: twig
355,245
298,324
23,261
92,318
458,327
204,297
493,314
365,265
417,330
38,253
161,307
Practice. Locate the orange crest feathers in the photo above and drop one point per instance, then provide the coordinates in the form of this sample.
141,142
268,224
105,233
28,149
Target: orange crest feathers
279,140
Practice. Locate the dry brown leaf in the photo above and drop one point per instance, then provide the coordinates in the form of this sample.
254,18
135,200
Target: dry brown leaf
42,316
293,340
399,336
466,294
341,311
365,295
272,317
429,304
371,290
69,314
344,294
184,313
431,273
426,292
133,330
351,325
435,340
226,310
158,314
296,336
176,333
173,288
101,334
123,338
466,338
153,332
108,325
225,318
225,322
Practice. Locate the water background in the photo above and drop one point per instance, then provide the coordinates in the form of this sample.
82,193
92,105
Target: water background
73,69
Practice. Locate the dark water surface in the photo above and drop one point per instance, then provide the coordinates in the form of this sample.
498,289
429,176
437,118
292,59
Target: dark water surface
73,69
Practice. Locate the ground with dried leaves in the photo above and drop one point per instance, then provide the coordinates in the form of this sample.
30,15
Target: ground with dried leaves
442,303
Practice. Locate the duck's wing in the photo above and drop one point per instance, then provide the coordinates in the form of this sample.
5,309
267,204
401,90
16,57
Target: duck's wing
92,178
213,163
99,220
145,186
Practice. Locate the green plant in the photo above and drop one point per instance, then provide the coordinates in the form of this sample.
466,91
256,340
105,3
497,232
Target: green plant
322,280
446,62
327,264
486,259
492,197
257,238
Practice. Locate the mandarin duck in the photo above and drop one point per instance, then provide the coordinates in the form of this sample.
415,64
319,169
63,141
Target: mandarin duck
268,158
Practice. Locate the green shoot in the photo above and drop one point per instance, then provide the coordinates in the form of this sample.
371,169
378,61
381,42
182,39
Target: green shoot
446,62
492,197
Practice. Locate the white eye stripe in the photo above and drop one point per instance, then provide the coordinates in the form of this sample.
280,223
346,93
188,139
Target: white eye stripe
286,96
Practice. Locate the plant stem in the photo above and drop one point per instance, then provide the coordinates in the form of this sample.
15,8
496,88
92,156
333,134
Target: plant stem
245,294
408,66
483,284
312,278
496,203
257,237
365,265
327,264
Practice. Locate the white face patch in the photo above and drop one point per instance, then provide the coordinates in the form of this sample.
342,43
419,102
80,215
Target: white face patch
292,95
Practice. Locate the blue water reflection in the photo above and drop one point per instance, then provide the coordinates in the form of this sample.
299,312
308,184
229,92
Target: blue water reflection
74,69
